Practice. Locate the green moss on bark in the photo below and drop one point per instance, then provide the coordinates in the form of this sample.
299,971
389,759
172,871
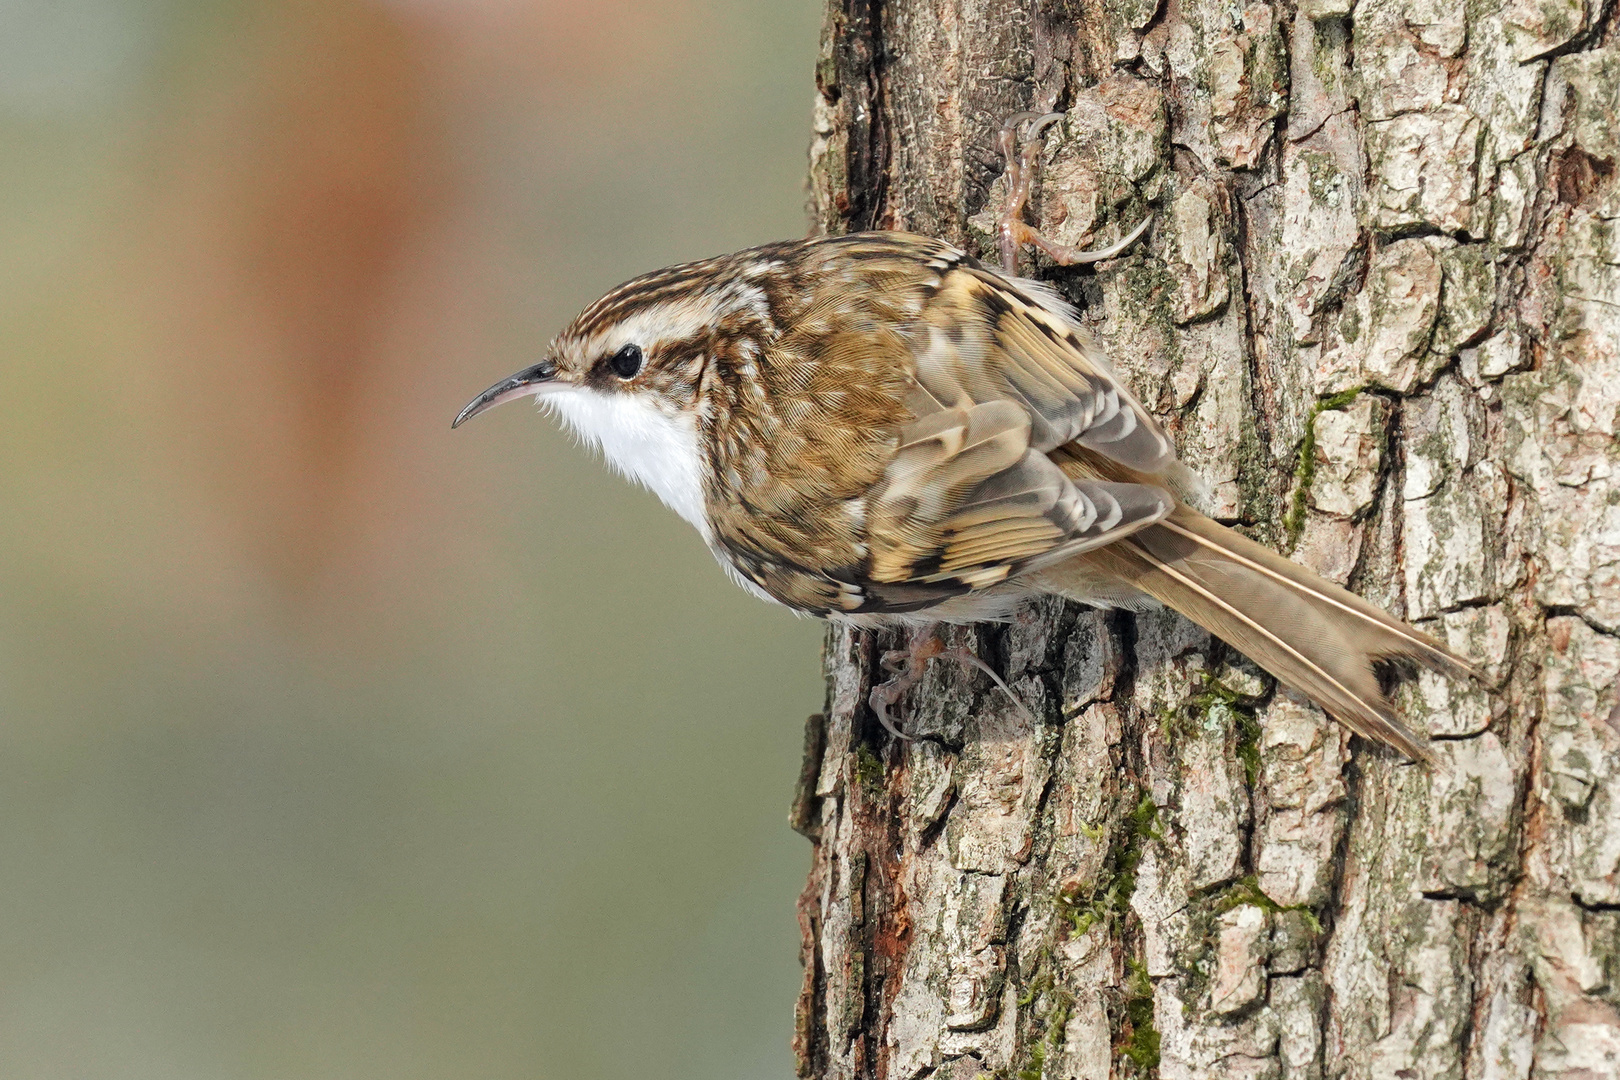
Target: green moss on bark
1305,469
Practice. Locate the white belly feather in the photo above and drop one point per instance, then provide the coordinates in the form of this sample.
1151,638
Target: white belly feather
653,448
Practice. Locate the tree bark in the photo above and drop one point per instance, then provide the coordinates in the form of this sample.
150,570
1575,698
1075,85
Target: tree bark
1379,308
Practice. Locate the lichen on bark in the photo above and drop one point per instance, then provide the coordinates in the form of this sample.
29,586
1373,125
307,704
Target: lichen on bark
1379,310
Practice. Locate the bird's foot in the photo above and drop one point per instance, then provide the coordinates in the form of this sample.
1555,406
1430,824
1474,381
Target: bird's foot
1011,231
907,666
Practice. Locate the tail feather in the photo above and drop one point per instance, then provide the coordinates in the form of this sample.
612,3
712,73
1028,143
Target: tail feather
1316,637
1404,641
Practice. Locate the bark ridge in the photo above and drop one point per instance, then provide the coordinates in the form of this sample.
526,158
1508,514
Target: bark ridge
1379,312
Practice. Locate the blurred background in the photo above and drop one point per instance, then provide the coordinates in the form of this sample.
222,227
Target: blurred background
334,744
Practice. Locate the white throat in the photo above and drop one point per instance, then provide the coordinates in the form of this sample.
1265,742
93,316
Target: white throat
641,441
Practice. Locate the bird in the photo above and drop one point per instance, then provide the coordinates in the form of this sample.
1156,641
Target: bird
880,429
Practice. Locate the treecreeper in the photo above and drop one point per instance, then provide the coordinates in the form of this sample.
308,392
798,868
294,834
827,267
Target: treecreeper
880,429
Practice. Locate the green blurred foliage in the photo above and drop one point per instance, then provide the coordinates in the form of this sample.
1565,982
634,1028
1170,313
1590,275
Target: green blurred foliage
334,744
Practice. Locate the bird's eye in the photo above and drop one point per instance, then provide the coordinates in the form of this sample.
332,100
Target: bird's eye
626,362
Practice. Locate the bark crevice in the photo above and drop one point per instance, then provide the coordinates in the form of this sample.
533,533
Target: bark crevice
1377,312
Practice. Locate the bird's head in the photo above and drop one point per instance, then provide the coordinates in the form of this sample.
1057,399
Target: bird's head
650,339
627,374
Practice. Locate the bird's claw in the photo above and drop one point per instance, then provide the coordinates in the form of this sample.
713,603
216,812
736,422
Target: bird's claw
1011,231
907,667
881,698
1039,122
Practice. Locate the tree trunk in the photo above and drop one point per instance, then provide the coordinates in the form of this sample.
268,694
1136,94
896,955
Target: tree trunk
1378,310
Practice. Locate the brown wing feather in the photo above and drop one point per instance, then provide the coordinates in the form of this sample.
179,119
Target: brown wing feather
987,338
964,496
967,499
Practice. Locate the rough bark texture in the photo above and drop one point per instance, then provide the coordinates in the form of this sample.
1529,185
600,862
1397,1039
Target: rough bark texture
1380,310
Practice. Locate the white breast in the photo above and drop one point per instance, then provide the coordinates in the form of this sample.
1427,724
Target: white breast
643,442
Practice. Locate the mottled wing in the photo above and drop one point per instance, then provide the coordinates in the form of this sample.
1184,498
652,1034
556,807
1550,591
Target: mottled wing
967,501
990,338
972,382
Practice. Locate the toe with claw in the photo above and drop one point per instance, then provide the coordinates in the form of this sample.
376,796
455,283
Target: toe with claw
1011,231
907,666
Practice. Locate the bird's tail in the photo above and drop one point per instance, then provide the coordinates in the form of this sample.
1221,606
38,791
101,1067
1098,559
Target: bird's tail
1316,637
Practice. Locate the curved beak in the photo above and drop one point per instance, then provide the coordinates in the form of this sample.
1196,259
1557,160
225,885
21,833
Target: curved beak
531,381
